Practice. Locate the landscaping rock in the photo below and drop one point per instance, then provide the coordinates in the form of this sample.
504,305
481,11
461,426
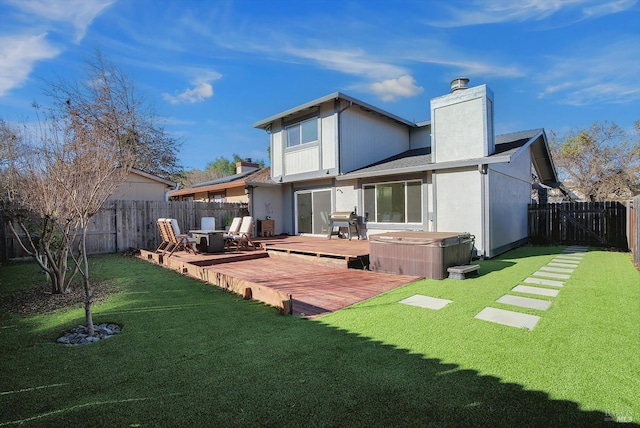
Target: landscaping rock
79,335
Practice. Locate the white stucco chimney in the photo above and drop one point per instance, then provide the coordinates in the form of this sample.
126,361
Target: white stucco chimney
462,123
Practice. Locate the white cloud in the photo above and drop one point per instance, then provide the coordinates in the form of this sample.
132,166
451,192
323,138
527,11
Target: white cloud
390,89
604,74
196,94
78,13
387,81
18,55
608,8
201,90
499,11
355,62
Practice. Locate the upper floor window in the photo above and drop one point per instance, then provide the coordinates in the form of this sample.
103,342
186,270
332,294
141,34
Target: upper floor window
302,132
399,202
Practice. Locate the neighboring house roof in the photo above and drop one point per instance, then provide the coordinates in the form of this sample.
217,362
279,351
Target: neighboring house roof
167,183
261,177
508,147
266,123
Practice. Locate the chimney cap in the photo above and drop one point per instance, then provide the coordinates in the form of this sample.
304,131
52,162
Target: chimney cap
459,83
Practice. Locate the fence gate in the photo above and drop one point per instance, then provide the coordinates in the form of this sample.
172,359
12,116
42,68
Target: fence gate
600,224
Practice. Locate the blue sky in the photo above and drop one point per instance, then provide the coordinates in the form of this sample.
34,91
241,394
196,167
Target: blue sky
213,68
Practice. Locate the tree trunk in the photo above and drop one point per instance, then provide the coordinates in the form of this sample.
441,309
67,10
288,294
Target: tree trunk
85,281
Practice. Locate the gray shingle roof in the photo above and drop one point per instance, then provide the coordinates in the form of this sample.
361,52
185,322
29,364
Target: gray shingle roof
416,160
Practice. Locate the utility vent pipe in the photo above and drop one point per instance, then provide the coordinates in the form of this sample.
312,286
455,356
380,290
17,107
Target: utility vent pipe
459,83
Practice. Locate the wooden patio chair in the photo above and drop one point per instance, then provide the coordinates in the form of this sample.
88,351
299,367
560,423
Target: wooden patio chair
164,224
181,242
234,229
242,239
166,239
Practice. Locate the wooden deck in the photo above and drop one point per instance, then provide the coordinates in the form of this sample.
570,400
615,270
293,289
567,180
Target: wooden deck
295,274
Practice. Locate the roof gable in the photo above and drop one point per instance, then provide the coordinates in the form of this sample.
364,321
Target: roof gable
266,123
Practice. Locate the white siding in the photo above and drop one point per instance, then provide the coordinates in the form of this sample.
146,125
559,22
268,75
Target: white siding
366,138
510,194
269,198
329,138
519,167
302,160
346,196
420,137
276,154
459,203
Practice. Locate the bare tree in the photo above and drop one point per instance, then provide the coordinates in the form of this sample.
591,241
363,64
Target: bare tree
65,169
600,163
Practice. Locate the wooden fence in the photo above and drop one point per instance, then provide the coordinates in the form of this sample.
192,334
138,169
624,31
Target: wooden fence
125,225
600,224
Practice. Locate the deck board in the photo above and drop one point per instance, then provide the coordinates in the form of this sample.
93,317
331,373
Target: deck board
315,289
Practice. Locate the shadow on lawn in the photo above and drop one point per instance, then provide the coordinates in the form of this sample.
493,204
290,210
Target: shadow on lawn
311,374
410,390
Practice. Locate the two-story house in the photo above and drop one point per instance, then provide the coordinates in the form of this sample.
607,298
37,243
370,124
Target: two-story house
447,174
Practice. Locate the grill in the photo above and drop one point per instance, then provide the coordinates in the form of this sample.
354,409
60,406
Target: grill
343,219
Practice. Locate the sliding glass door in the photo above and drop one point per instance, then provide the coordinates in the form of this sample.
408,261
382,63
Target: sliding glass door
313,208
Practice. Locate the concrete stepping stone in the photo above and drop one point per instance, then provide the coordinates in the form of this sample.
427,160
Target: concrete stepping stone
552,275
535,290
575,263
426,302
572,256
556,269
510,318
544,282
564,265
525,302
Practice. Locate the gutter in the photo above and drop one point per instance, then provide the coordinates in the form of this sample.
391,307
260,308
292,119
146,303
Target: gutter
428,167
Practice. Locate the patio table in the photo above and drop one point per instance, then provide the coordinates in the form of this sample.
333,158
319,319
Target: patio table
209,241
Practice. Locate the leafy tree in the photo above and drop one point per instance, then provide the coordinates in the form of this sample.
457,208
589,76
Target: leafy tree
60,173
220,167
601,162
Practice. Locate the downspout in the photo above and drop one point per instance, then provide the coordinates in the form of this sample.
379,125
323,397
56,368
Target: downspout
484,197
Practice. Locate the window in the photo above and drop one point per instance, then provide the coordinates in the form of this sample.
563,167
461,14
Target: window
398,202
302,133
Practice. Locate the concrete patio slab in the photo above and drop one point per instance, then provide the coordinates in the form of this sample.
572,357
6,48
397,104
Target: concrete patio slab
556,269
426,302
536,290
510,318
544,282
552,275
525,302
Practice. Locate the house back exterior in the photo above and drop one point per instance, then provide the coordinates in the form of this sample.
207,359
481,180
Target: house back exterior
448,174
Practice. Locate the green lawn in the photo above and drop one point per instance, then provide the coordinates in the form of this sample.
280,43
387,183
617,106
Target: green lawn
193,355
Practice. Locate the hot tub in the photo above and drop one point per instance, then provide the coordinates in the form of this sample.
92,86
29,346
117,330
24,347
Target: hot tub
423,254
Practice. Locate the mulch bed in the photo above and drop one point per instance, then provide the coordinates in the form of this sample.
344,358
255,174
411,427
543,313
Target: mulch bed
38,299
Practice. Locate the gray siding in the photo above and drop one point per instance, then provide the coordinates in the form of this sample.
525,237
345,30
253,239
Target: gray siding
366,138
